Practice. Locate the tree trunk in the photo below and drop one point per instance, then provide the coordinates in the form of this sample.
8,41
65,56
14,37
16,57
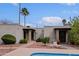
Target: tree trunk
24,20
19,12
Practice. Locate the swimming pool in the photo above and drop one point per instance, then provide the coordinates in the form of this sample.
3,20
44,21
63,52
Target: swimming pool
53,54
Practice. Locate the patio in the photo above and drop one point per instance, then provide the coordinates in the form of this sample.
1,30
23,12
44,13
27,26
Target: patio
28,49
8,48
50,46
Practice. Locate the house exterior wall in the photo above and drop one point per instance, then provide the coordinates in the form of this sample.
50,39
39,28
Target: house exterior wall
15,30
46,32
39,32
49,32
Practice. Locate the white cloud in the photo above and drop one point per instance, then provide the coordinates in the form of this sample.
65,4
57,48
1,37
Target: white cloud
28,24
51,21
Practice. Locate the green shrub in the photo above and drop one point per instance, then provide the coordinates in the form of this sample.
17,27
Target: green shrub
74,32
77,42
74,39
71,38
38,40
8,39
45,40
23,41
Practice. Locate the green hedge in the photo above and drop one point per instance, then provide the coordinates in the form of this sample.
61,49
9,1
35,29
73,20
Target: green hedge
44,40
74,32
8,39
73,38
38,40
23,41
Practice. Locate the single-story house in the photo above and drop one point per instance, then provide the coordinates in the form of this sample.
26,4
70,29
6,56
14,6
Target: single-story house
55,33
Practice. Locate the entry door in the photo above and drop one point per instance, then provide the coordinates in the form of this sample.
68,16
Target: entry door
62,36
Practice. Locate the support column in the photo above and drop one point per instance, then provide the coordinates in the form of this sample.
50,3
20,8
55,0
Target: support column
29,36
34,36
66,37
57,36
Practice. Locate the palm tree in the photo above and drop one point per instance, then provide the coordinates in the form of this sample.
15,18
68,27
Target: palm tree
24,12
64,21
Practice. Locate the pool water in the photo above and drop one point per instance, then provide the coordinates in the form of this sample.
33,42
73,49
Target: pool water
53,54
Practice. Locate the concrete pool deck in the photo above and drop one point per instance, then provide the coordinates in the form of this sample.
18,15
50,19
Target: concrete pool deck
29,51
25,51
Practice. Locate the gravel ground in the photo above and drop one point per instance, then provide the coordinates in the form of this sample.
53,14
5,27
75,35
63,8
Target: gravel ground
8,48
41,45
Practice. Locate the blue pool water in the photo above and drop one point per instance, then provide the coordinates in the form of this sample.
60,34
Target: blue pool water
53,54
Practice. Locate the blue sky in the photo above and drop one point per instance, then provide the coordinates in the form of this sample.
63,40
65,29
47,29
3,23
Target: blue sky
41,14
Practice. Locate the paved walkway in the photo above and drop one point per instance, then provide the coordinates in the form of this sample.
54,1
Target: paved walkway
24,50
68,47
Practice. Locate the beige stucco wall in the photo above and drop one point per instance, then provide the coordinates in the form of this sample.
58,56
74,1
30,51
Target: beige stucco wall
39,32
15,30
49,32
46,32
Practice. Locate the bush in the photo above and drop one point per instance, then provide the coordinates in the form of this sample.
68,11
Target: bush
73,39
74,32
45,40
8,39
38,40
23,41
77,42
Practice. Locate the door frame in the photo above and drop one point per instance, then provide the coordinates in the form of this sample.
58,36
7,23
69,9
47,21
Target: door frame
62,36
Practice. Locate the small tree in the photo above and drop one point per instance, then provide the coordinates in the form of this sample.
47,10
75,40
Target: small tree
64,21
74,32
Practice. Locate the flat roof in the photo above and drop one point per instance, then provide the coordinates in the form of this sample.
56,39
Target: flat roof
59,26
62,29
